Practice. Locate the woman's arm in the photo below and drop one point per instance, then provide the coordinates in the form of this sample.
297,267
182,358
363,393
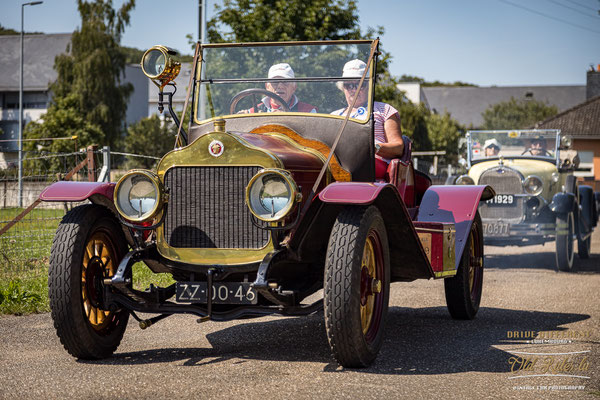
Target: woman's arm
393,132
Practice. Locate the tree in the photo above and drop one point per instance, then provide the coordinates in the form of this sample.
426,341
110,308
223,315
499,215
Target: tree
516,114
151,136
273,20
444,133
87,93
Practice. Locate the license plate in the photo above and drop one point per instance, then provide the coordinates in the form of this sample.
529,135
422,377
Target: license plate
502,200
495,229
222,293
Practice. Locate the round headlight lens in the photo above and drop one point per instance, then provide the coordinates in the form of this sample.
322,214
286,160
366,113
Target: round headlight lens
154,62
533,185
465,180
137,196
271,194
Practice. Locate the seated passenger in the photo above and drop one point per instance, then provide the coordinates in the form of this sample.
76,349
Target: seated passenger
491,147
285,90
388,132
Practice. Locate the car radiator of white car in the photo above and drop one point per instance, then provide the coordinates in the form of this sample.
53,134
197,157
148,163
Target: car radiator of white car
504,181
207,209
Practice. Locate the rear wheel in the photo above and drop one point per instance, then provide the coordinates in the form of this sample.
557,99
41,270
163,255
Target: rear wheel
357,286
87,248
463,291
565,228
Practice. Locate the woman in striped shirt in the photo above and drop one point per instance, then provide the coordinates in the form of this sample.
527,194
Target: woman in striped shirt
388,133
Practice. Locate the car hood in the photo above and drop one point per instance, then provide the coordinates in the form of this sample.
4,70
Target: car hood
539,168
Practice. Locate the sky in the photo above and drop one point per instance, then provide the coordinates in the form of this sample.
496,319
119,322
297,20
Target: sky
484,42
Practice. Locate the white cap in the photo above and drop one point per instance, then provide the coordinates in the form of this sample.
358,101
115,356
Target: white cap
282,70
354,69
491,142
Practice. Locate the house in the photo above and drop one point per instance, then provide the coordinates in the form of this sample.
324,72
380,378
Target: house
582,123
39,52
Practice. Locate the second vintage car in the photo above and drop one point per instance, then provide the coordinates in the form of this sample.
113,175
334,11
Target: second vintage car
266,200
537,199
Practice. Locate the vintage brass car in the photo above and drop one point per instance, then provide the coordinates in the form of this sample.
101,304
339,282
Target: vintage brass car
537,199
255,212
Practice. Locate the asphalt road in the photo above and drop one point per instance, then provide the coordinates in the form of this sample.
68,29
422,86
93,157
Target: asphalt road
425,355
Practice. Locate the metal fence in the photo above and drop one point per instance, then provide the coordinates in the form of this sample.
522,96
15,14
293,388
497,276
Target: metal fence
26,233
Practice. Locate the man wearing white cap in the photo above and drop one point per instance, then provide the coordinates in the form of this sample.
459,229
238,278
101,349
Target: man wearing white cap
285,90
388,132
491,147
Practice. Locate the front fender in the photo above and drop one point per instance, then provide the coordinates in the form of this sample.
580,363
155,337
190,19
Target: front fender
408,258
454,204
77,191
562,203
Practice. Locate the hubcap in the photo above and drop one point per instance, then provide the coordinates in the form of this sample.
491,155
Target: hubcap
99,262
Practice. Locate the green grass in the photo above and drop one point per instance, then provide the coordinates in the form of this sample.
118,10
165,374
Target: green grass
24,290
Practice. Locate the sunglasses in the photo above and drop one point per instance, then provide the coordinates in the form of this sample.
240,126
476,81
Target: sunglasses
350,86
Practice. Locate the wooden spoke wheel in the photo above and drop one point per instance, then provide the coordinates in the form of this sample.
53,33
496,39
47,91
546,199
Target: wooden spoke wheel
87,248
357,285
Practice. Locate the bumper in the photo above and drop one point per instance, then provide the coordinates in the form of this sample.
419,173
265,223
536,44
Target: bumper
505,234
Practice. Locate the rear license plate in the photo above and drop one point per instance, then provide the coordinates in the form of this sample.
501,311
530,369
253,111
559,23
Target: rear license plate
495,229
500,200
222,293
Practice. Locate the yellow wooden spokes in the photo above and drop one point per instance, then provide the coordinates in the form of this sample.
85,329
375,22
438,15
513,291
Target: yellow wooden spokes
368,266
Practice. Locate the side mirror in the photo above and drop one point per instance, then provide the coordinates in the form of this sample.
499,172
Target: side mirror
158,65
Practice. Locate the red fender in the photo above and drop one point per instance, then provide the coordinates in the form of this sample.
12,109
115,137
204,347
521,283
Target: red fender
351,192
77,191
456,204
408,259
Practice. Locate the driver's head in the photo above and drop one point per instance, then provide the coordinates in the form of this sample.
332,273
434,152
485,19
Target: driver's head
354,69
538,146
284,89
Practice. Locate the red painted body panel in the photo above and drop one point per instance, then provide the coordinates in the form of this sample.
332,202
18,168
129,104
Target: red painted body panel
456,204
351,192
77,191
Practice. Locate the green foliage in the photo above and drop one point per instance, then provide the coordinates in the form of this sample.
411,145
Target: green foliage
423,82
8,31
516,114
25,291
272,20
152,137
132,55
88,99
444,133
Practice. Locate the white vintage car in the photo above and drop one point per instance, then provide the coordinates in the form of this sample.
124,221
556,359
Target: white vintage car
537,199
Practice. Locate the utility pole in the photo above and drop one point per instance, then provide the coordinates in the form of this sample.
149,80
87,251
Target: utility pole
33,3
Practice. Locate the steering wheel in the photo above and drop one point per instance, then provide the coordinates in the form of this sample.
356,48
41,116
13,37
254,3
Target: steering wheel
252,92
546,152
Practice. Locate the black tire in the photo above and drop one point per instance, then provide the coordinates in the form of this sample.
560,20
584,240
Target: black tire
583,247
87,247
565,228
463,291
357,286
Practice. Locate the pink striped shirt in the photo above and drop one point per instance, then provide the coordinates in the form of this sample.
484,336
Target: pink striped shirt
381,113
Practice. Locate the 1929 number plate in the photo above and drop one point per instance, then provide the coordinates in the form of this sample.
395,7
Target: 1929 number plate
502,200
222,292
495,229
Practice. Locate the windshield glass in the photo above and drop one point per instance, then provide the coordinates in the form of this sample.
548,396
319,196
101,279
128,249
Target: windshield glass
303,77
486,145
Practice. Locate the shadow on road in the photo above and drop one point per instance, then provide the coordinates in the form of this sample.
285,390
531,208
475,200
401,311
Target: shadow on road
418,341
544,260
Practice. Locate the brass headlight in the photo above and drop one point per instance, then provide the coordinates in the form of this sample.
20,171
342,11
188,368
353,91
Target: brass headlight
272,194
138,195
533,185
158,65
465,180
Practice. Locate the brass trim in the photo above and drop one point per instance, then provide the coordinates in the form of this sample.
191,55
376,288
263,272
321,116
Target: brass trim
443,274
171,70
288,43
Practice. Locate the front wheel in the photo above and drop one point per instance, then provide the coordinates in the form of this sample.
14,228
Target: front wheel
463,291
357,286
565,228
87,249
